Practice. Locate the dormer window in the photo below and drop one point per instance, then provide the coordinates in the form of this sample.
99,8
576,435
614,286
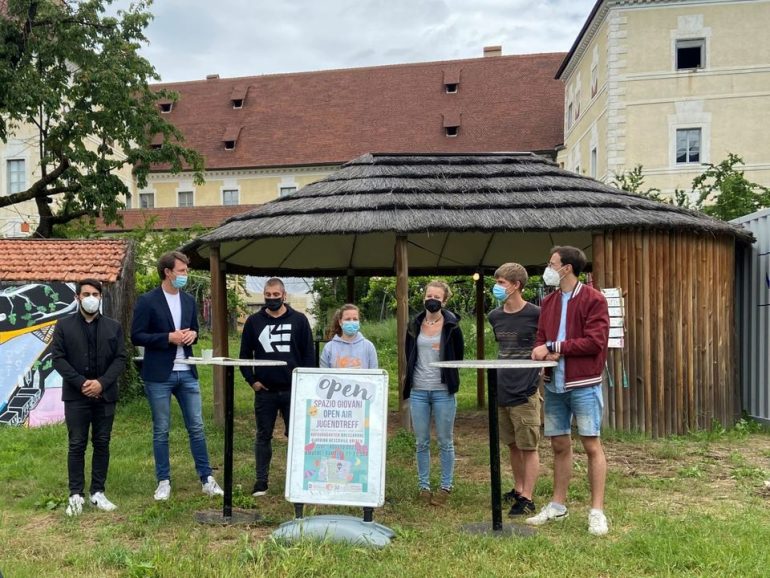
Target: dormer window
238,96
452,124
230,138
451,80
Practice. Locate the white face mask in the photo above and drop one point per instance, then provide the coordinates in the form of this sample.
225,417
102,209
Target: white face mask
551,277
90,304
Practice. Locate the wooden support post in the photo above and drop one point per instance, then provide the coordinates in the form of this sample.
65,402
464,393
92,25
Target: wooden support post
402,312
350,294
218,330
480,320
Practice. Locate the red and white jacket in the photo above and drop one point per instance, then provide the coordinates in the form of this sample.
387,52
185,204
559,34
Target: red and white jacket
588,327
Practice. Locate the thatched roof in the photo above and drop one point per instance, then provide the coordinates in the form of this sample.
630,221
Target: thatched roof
460,212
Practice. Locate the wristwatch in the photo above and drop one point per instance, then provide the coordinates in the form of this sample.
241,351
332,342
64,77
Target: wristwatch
549,346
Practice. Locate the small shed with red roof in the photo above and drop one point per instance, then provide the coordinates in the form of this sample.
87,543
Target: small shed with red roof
38,280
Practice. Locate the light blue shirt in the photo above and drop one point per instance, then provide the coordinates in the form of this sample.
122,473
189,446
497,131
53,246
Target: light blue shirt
556,385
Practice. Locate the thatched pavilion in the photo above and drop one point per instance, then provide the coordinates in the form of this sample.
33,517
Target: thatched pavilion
387,214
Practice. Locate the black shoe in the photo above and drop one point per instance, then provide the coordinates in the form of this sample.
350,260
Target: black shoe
260,489
511,497
522,506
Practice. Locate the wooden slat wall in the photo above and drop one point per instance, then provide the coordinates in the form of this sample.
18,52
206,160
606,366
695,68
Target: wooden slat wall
680,354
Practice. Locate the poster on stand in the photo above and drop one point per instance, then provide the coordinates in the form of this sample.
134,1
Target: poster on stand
337,437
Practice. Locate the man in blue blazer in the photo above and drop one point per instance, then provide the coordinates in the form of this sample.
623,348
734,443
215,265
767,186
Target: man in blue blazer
166,324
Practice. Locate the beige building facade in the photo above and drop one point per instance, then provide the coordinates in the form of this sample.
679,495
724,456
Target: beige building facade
669,85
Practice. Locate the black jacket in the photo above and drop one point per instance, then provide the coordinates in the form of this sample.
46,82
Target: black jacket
286,338
70,355
452,348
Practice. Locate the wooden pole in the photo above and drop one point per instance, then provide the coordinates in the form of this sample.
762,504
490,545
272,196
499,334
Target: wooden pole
218,330
402,312
480,339
350,294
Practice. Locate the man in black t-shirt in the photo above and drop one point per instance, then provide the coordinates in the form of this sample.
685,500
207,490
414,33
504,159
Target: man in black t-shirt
518,397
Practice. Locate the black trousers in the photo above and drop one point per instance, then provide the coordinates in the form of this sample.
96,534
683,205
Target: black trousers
267,406
80,416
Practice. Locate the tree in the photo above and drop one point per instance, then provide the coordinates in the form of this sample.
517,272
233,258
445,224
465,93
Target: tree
724,191
721,191
633,182
74,74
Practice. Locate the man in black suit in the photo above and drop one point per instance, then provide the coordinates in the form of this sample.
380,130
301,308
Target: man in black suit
90,354
166,324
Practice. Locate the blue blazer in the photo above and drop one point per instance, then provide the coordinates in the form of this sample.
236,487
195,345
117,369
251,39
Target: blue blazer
150,328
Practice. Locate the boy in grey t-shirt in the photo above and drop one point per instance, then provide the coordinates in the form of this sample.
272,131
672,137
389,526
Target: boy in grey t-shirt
518,398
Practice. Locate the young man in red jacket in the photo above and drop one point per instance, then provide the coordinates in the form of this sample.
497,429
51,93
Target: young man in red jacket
573,330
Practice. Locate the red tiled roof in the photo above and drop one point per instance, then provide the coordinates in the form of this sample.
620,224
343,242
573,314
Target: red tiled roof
174,217
507,103
61,259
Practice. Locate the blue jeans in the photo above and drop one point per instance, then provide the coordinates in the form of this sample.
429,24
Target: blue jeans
443,407
267,405
184,386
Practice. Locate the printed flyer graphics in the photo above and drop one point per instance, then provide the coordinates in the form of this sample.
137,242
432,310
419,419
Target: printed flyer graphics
337,437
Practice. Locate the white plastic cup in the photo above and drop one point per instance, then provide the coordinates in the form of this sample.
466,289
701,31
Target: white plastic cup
207,354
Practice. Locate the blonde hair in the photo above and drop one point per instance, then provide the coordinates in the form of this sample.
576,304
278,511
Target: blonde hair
336,324
513,272
441,285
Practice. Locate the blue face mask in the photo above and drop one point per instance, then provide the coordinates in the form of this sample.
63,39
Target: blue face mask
499,292
179,281
350,328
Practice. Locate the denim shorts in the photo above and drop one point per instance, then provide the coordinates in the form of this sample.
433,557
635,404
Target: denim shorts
584,403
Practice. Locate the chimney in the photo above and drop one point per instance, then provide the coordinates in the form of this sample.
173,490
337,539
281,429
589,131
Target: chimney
216,76
493,50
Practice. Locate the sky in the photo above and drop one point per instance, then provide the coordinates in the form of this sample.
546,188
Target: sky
192,38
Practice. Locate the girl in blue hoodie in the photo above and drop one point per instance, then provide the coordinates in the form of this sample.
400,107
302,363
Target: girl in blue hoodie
348,349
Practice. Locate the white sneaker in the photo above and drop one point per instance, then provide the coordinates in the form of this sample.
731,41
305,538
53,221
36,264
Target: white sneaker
211,487
75,505
548,513
100,501
163,491
597,523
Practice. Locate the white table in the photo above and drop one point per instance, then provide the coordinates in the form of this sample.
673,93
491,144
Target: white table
229,364
491,365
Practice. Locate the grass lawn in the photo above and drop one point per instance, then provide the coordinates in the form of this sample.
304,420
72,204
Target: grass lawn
691,506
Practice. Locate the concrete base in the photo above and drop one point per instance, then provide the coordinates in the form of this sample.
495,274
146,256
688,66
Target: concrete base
237,518
336,529
485,528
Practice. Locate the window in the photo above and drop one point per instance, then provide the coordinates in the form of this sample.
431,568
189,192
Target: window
594,80
577,105
237,103
690,54
129,200
230,197
688,145
185,198
577,169
569,115
17,176
229,145
165,107
146,200
594,159
452,131
451,88
286,191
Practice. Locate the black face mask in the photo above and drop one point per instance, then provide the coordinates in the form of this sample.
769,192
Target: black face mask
274,304
432,305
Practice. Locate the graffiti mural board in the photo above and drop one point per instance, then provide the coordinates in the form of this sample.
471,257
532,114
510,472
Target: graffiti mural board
30,389
337,437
